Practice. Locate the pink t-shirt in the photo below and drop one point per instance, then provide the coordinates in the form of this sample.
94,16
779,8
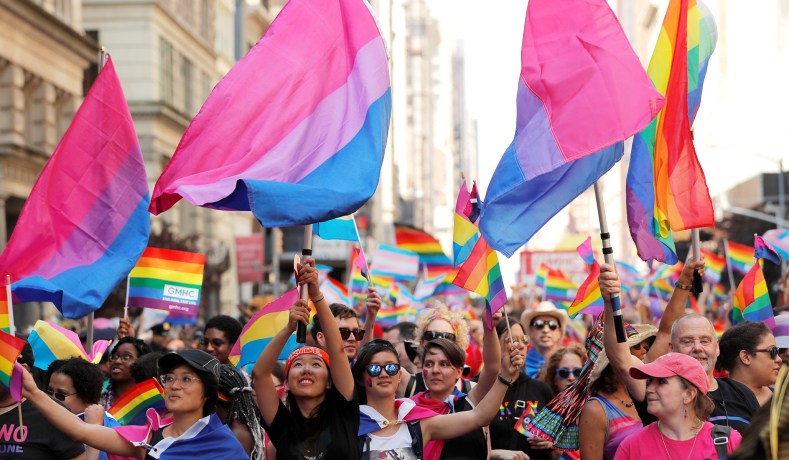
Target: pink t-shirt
647,443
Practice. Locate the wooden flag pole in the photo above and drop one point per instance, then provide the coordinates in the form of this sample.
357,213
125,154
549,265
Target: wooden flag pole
608,254
732,286
301,328
89,340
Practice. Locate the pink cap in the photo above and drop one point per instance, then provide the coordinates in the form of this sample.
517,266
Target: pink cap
672,364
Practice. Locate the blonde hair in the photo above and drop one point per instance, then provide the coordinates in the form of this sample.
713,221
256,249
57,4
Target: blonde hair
441,311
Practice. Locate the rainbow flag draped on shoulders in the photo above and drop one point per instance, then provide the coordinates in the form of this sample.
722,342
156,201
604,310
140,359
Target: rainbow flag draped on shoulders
85,222
131,408
261,328
666,187
168,280
51,342
296,130
575,109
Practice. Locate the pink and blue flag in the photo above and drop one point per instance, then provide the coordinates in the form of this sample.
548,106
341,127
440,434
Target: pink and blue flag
779,239
762,249
261,328
394,262
582,91
86,222
296,131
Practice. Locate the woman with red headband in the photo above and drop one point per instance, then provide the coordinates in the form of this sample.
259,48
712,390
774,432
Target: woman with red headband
321,418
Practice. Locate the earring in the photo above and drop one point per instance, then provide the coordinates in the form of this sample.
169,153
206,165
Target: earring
685,408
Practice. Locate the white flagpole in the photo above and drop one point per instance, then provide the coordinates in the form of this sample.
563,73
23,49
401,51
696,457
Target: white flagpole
608,254
11,325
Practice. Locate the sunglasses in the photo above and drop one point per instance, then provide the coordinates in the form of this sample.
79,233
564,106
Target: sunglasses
539,324
345,333
375,369
772,350
432,335
564,372
59,395
639,346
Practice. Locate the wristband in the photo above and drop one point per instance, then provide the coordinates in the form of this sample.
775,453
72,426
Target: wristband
316,299
505,381
682,286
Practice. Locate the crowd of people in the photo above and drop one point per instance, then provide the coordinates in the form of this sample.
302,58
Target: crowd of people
442,387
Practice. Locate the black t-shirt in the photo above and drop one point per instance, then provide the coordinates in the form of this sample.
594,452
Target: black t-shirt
35,439
330,435
526,394
735,404
470,446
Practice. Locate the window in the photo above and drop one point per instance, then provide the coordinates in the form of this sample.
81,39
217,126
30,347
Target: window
186,74
166,93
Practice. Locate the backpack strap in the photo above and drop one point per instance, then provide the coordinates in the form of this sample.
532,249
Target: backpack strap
410,387
415,430
720,437
363,443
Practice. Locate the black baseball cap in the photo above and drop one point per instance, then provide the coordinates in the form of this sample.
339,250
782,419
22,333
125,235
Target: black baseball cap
162,329
199,360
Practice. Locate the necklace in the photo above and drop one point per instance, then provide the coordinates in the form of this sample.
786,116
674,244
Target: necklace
627,404
663,440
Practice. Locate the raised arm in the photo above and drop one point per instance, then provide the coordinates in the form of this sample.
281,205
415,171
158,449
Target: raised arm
265,391
618,353
97,436
340,368
373,306
451,426
674,310
491,359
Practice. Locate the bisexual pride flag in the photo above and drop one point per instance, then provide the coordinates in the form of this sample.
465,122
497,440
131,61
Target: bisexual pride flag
261,328
51,342
85,223
296,131
168,280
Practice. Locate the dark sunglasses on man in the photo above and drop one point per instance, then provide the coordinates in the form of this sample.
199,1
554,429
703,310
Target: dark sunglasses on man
345,333
432,335
540,323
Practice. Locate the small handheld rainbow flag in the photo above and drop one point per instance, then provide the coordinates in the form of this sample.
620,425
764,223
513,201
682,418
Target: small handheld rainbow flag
168,280
430,252
739,256
713,267
588,299
466,232
752,300
11,371
555,285
130,409
51,342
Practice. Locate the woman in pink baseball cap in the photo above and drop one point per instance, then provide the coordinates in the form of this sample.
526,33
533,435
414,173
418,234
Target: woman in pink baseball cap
677,388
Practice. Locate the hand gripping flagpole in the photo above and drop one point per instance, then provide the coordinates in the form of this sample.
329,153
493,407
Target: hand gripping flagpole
608,254
301,328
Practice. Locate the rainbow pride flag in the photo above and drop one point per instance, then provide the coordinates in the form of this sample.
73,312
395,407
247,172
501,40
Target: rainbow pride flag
301,122
466,232
574,110
666,187
11,371
739,256
713,267
341,228
752,300
261,328
168,280
431,255
555,285
720,292
588,299
85,222
7,310
130,409
51,342
481,273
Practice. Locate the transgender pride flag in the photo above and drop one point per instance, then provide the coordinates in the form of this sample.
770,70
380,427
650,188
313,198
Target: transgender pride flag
296,131
85,223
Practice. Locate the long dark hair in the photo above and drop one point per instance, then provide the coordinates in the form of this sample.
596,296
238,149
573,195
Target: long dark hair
366,354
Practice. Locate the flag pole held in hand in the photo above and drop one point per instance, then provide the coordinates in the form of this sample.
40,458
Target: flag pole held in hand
301,328
608,254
